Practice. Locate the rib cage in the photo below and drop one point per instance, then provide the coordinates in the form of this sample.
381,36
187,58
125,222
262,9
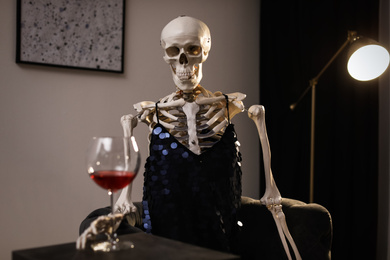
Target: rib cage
175,120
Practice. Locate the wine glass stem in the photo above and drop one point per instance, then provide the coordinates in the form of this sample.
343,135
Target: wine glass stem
112,233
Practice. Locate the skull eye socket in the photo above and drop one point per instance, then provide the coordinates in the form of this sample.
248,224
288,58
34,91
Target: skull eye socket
172,51
193,50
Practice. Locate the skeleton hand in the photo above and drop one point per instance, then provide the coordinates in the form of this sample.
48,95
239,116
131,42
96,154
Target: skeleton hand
272,198
101,225
124,204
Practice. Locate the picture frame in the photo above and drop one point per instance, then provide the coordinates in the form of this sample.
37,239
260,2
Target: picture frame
87,34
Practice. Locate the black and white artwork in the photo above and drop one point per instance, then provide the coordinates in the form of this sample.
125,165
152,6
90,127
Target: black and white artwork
86,34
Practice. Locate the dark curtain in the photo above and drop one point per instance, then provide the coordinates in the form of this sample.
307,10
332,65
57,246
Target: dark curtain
297,39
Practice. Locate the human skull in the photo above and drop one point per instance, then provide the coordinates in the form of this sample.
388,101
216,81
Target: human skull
186,42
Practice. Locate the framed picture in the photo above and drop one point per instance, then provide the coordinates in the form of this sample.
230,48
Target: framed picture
82,34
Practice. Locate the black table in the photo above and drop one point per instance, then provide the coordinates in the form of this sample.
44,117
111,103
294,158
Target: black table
146,247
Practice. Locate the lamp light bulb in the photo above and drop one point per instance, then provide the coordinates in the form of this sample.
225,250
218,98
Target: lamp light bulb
368,62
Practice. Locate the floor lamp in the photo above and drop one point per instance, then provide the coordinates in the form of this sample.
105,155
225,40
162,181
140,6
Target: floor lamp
367,60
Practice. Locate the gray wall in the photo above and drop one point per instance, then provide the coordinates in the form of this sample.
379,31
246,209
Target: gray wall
48,114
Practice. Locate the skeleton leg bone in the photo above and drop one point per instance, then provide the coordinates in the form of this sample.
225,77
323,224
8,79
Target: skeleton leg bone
272,198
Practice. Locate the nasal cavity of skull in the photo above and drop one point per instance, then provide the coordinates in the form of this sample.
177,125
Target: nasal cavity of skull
183,59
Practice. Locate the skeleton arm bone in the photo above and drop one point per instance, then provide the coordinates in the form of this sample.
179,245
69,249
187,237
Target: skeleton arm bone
272,194
272,198
124,203
128,122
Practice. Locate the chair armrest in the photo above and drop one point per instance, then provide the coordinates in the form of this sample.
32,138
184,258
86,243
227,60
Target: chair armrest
310,226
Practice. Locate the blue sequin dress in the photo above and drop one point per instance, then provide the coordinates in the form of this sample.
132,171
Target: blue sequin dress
189,197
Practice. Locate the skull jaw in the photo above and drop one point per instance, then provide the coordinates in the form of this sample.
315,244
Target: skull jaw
188,84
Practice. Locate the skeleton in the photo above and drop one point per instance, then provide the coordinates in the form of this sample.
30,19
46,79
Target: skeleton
196,117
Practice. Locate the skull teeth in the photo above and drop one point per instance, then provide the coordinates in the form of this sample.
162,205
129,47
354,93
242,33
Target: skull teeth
185,74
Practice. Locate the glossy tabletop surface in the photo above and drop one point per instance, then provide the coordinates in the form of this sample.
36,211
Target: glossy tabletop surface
146,247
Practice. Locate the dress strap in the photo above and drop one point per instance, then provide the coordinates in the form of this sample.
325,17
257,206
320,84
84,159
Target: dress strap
227,107
158,120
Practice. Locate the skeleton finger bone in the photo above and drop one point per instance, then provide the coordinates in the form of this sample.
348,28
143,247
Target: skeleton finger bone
102,224
271,198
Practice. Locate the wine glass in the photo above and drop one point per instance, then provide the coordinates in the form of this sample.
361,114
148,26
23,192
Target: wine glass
113,163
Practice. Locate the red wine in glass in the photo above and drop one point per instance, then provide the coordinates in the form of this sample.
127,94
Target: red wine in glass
112,180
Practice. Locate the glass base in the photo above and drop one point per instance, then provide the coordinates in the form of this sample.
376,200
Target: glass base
110,246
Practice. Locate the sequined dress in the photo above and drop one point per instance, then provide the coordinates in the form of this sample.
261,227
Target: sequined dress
189,197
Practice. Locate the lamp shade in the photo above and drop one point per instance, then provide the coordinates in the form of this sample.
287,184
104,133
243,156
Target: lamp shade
367,59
